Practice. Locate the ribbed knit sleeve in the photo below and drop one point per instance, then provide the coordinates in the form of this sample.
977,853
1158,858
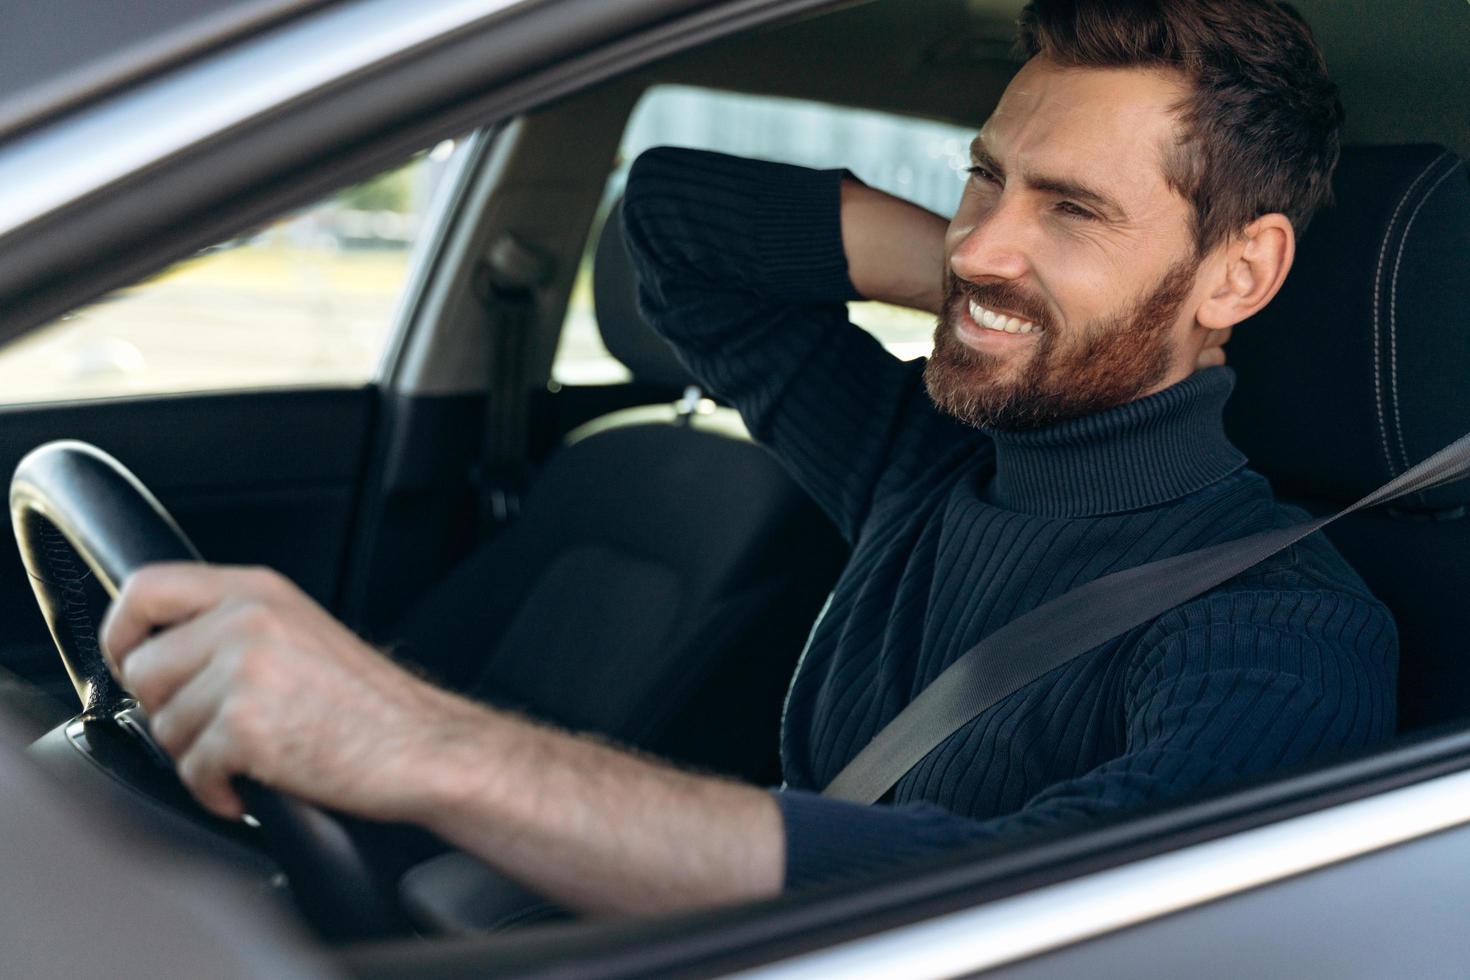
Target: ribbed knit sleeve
741,268
1233,685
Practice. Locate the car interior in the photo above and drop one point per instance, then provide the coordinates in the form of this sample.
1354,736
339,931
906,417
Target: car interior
621,558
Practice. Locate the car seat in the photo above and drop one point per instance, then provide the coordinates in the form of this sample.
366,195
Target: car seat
1356,371
660,579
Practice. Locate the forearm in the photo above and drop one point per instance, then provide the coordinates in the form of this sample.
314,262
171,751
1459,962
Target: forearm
596,828
701,224
895,250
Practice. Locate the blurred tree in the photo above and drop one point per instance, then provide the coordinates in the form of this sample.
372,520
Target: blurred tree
392,191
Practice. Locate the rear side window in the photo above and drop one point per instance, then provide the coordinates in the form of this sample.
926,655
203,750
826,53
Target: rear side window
918,159
307,300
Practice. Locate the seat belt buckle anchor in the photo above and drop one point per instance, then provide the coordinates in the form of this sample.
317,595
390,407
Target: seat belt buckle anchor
499,503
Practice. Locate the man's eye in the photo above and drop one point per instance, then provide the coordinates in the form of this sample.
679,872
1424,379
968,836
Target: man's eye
983,174
1074,210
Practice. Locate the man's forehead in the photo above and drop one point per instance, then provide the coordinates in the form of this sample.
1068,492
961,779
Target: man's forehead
1110,125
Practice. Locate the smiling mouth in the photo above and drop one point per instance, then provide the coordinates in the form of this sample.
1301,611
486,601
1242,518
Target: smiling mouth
1000,322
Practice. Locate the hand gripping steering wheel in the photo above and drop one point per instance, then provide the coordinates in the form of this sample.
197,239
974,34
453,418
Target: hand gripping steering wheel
83,524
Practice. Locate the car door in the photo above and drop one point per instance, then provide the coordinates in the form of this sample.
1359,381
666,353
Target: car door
240,386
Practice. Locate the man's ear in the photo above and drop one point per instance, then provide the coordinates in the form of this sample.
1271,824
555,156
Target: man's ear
1251,270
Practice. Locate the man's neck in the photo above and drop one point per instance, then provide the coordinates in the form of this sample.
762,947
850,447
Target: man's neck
1145,453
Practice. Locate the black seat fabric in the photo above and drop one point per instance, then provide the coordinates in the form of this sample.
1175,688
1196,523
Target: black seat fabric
658,585
1355,372
624,332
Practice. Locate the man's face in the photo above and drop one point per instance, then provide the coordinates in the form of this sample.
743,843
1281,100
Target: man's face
1071,283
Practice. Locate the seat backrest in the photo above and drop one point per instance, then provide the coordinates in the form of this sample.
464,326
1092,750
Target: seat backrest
1358,370
659,582
625,333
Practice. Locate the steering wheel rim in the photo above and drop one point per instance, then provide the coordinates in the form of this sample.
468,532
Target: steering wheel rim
83,523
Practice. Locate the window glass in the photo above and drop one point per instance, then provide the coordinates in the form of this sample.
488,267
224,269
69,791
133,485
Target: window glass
918,159
306,300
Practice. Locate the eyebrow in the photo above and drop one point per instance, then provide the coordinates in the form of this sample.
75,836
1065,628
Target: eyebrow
1061,186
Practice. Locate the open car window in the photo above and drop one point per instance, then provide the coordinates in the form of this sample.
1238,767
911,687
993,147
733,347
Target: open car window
308,299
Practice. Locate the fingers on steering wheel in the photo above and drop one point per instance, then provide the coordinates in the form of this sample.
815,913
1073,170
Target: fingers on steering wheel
156,669
208,767
178,723
163,595
153,595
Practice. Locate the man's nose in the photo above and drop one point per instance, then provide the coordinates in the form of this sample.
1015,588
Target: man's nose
997,244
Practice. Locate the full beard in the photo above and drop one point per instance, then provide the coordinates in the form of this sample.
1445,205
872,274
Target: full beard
1107,363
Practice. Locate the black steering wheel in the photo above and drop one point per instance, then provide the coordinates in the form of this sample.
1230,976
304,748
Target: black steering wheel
83,524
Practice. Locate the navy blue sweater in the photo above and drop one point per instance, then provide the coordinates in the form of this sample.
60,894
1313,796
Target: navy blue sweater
955,531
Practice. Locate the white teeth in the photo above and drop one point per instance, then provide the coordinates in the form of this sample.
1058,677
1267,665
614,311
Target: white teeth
1004,324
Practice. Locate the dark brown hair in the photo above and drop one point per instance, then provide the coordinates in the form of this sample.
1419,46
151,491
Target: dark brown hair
1259,131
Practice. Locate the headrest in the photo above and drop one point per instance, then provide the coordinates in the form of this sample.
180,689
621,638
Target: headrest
1358,368
615,298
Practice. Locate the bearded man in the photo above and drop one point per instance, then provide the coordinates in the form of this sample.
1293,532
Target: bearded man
1135,194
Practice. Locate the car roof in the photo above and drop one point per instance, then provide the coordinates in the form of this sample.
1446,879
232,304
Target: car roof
1402,79
60,53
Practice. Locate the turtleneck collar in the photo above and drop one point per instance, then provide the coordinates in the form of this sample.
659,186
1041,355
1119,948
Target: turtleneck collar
1141,454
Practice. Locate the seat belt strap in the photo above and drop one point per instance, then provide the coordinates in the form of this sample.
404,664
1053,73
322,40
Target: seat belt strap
1068,626
509,279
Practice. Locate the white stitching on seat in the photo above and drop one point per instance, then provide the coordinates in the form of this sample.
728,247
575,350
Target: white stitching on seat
1377,330
1393,300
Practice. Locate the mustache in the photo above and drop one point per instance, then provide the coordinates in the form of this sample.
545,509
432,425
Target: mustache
1006,296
